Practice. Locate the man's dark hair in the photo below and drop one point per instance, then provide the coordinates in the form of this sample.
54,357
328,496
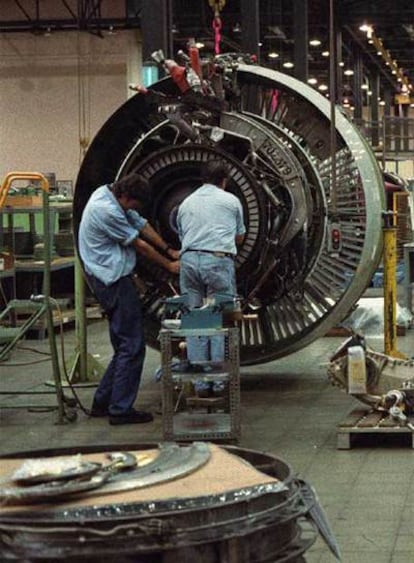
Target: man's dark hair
133,186
214,172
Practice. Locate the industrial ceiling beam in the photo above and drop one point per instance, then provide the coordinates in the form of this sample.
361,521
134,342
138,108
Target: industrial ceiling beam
156,25
300,48
84,15
250,17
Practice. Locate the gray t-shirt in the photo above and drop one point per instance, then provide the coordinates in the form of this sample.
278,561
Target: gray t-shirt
209,219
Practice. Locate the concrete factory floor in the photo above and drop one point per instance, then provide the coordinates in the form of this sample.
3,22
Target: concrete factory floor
289,409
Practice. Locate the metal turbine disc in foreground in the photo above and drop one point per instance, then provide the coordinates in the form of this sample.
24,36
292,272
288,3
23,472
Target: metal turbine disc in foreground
309,252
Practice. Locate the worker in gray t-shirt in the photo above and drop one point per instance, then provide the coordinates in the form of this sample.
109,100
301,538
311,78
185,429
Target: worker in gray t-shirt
210,227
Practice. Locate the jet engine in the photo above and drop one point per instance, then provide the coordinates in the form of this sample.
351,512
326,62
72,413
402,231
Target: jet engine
311,192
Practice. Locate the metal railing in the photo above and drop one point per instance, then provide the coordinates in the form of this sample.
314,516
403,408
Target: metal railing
392,137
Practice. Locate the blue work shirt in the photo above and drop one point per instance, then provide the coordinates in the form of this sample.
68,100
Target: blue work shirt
209,219
105,235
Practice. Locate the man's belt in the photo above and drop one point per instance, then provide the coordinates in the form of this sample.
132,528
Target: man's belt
217,253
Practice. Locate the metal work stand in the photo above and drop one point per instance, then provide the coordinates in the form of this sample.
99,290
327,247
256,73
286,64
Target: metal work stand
43,301
202,418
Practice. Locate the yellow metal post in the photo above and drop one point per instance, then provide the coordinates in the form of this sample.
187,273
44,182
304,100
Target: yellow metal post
390,286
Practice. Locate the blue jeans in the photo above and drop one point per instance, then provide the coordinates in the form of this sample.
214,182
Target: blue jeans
201,276
118,388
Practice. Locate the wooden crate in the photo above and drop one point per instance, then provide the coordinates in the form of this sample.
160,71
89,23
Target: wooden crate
367,421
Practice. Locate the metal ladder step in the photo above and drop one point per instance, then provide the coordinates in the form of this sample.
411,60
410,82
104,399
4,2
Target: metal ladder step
7,334
18,304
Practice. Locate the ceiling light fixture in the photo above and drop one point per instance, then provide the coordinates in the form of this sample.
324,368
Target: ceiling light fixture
288,64
273,55
348,72
325,53
312,81
366,27
315,42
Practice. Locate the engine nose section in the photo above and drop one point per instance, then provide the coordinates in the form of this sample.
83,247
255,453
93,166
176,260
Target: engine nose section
273,132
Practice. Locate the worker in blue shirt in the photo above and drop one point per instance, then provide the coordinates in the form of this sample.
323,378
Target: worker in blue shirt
111,233
210,227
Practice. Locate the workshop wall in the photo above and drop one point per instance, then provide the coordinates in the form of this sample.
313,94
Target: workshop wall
58,88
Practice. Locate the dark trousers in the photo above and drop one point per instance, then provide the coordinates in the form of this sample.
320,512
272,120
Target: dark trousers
118,388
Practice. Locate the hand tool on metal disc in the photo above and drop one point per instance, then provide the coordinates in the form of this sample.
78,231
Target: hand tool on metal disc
119,475
47,486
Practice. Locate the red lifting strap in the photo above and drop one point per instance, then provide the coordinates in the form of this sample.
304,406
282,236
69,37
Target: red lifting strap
217,25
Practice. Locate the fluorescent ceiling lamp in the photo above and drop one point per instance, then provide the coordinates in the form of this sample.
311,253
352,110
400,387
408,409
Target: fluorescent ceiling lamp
288,64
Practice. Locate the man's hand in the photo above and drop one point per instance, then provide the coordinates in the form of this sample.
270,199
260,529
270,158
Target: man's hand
151,235
174,267
174,254
152,254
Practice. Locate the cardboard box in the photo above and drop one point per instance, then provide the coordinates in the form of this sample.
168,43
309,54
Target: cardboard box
23,201
6,261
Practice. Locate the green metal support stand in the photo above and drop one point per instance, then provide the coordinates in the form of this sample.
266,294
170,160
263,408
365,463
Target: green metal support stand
44,301
85,370
49,315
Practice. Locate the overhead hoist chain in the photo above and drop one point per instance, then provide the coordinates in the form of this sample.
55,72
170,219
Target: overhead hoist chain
217,6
